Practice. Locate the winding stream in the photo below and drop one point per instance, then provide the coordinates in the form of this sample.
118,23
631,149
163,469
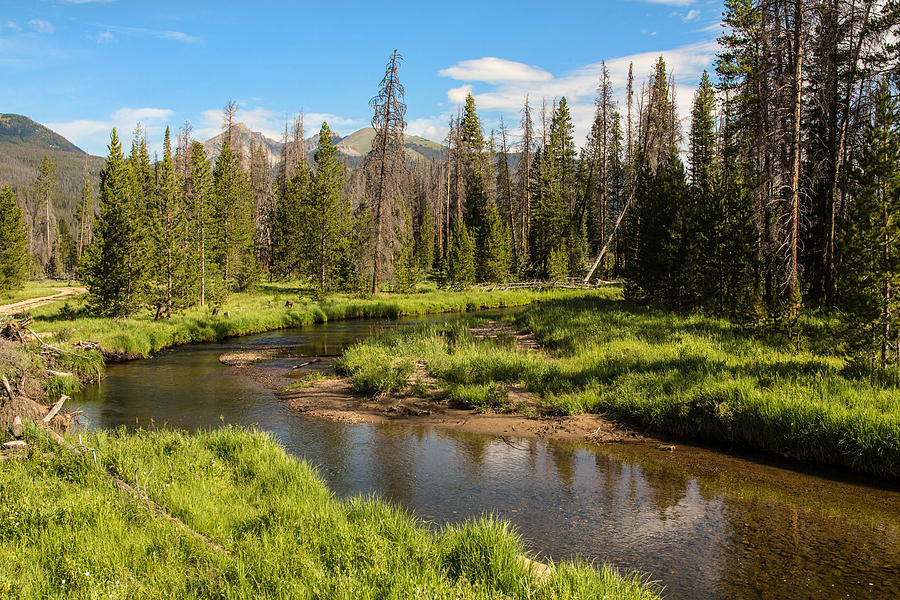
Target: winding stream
703,523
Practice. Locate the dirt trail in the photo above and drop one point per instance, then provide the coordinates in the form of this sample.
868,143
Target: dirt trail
62,293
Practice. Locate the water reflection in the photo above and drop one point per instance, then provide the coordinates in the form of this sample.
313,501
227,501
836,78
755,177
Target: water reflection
704,524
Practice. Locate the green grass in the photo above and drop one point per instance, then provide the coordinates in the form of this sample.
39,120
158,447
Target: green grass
67,532
32,289
259,311
691,376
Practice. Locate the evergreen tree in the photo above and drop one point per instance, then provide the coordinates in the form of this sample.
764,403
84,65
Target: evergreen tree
44,187
425,239
289,251
327,219
15,264
234,247
200,201
115,269
65,249
494,253
461,259
870,246
406,263
168,235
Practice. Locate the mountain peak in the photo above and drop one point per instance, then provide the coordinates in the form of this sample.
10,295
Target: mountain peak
18,129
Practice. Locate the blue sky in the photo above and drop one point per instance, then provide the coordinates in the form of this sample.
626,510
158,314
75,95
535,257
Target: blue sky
84,66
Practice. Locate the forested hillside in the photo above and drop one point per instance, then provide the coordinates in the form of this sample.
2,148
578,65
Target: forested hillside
780,196
23,145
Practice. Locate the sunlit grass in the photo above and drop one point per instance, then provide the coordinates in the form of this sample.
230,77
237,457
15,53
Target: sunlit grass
691,376
67,532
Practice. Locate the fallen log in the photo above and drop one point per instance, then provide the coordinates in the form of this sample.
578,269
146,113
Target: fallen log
56,408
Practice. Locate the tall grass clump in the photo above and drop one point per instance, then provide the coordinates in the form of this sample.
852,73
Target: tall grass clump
66,531
687,375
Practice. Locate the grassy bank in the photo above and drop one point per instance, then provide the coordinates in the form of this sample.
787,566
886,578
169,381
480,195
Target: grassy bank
689,376
66,531
66,323
261,310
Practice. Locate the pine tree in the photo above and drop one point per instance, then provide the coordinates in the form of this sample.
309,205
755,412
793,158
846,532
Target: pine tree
870,246
232,222
425,239
15,264
199,199
461,259
168,235
327,223
386,160
115,270
406,263
84,214
263,210
494,254
289,251
66,249
44,187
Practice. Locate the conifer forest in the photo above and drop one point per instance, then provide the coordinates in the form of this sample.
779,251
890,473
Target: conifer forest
779,194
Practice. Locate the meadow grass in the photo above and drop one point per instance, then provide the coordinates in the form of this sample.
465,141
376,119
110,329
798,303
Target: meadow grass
67,532
261,310
691,376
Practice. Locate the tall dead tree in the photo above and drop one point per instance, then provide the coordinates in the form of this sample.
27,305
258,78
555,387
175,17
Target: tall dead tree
385,161
526,160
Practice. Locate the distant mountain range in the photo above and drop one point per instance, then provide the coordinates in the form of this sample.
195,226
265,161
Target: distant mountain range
23,143
353,147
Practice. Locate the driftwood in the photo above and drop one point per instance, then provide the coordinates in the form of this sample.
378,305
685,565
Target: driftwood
54,348
56,407
307,363
8,389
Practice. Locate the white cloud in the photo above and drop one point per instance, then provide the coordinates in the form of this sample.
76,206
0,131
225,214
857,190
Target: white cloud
77,131
313,122
712,27
13,25
144,115
430,128
41,26
93,135
458,95
493,70
579,86
104,37
691,15
178,36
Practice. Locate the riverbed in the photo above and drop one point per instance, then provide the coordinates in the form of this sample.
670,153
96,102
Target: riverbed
703,522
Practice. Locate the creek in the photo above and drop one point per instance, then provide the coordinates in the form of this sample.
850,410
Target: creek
703,522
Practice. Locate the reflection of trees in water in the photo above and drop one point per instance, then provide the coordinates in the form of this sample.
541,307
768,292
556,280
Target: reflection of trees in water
471,450
563,457
666,489
394,462
609,474
772,545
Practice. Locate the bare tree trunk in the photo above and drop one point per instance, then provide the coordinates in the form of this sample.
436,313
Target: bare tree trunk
793,282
